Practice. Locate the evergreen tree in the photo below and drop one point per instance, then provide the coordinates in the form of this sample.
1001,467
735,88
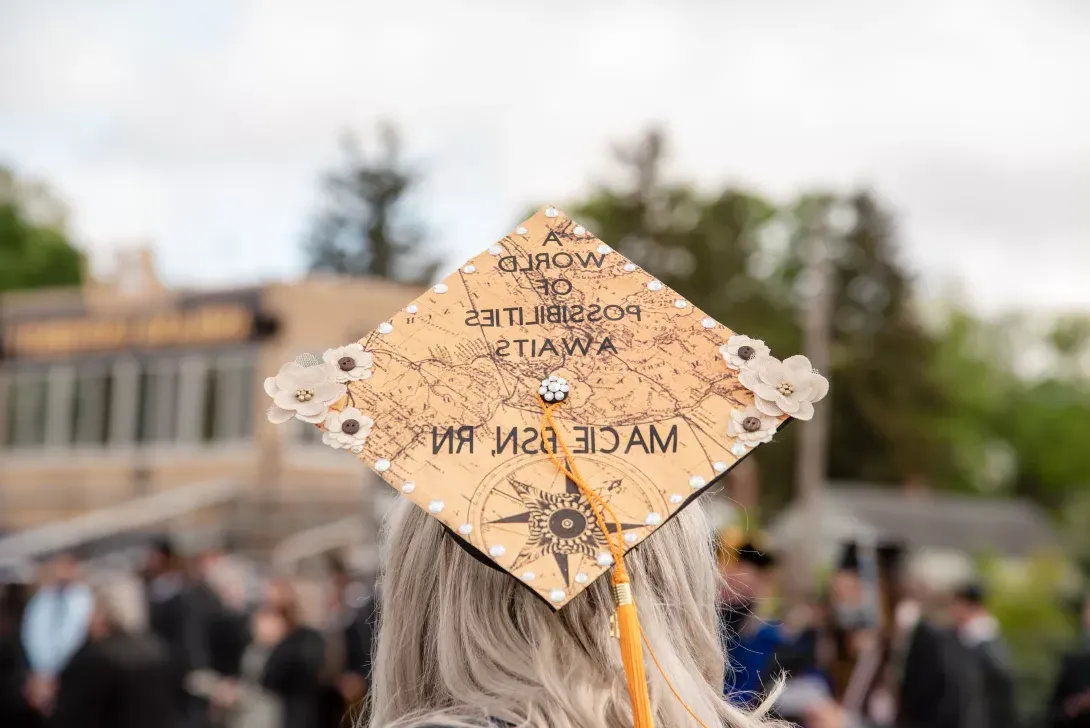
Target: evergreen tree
363,230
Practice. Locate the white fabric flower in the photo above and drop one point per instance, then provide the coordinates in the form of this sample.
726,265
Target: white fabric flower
303,390
788,387
347,429
351,362
740,351
751,426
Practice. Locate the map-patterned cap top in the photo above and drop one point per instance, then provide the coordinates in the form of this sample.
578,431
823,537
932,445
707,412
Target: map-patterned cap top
546,365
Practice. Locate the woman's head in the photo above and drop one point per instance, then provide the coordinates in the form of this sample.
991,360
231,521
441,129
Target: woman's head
463,640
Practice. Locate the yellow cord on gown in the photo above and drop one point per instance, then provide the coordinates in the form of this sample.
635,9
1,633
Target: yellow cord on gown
631,635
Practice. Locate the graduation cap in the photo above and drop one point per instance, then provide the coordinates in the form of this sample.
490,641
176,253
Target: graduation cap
552,405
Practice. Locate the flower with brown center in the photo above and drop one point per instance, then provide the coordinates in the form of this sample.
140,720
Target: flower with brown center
352,363
751,427
740,350
347,429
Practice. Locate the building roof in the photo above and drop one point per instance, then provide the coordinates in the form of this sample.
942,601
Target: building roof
936,520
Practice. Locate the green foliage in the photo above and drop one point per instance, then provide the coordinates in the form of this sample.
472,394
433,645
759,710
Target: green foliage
1036,624
740,258
363,231
33,253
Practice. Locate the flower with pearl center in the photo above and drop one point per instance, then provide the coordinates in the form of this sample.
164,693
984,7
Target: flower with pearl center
789,387
352,363
740,350
751,426
303,389
347,429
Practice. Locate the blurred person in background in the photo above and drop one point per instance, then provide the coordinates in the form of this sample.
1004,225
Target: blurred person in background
220,593
751,641
344,676
280,685
120,677
54,627
175,617
14,671
936,681
1069,706
978,632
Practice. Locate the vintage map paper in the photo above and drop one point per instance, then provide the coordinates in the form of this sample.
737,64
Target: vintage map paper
454,398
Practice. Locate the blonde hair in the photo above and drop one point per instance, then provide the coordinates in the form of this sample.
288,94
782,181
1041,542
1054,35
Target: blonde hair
461,644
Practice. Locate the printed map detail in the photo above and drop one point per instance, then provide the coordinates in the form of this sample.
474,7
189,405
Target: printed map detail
456,408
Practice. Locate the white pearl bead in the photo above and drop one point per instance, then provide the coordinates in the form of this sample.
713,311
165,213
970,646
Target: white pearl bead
630,267
559,396
528,576
382,465
676,498
630,537
385,327
548,396
465,529
411,308
579,230
581,578
719,466
551,212
495,249
653,519
556,595
603,249
738,449
605,559
441,288
408,487
521,230
696,482
469,269
542,390
708,323
554,386
680,303
654,285
497,551
553,377
436,506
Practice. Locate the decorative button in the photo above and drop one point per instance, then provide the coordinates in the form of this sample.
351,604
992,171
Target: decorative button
751,424
746,353
346,363
350,427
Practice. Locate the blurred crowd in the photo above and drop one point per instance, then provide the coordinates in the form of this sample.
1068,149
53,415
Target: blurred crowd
184,643
202,642
881,648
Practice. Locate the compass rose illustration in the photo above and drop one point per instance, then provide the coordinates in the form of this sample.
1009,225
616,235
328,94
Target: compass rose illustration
561,525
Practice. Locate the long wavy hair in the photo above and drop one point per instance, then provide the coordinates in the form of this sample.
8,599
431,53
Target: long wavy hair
462,644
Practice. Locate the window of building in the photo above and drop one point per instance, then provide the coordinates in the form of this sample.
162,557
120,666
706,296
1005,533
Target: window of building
25,424
157,401
90,405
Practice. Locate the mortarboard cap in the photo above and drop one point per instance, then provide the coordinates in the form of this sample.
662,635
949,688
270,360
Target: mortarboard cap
551,403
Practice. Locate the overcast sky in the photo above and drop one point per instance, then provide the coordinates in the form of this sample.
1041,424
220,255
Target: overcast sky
203,126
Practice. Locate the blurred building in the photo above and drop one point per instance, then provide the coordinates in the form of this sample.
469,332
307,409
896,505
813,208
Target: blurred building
941,534
124,396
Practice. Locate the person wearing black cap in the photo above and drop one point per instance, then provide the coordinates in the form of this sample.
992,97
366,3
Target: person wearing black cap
175,618
751,641
1069,705
978,632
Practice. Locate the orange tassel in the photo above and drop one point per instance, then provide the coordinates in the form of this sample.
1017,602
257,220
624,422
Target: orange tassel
628,628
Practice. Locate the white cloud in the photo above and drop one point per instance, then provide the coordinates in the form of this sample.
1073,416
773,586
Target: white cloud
205,126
